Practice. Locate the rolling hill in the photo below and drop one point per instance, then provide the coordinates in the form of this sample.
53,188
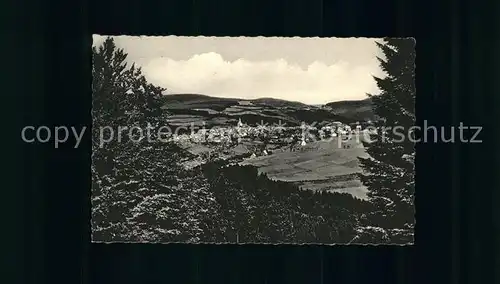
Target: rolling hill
221,111
361,110
278,102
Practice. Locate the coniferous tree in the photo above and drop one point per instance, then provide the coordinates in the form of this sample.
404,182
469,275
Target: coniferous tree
389,172
140,190
111,197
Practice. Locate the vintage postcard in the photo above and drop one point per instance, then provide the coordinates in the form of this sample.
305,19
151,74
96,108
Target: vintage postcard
253,140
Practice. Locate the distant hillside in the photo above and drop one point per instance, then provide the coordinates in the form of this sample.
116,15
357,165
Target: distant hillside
189,97
194,101
356,110
222,111
278,102
199,99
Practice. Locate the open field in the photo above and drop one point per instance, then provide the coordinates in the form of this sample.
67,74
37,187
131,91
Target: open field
319,166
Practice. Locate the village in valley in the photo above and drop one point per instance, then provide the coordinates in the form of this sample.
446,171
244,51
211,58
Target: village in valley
316,157
267,139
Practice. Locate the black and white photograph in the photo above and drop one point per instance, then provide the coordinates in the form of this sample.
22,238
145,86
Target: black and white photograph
253,140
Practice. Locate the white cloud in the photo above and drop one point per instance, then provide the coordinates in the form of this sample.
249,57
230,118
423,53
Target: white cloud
210,74
310,70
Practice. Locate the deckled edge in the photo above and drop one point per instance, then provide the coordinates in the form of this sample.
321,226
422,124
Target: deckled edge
264,244
251,37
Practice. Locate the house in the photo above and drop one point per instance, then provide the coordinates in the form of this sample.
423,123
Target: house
342,132
321,134
245,103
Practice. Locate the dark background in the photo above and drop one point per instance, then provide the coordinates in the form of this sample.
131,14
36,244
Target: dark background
47,82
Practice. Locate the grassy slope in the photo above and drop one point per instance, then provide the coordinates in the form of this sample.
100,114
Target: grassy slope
322,165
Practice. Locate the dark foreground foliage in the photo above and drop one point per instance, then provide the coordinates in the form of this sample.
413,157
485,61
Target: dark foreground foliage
256,209
389,173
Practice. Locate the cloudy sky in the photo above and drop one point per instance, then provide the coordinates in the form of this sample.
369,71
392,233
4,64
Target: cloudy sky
309,70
